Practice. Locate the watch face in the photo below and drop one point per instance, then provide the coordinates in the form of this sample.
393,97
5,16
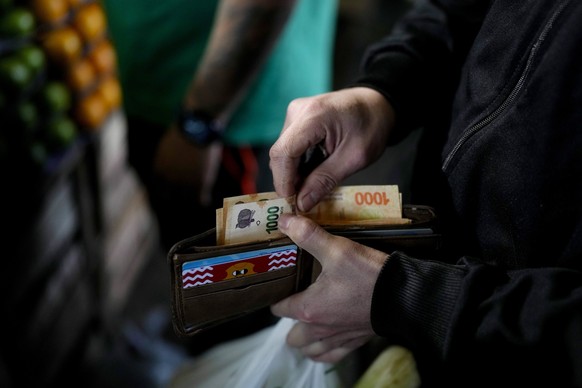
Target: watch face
199,130
196,129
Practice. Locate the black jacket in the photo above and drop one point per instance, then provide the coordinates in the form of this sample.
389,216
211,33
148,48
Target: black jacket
497,86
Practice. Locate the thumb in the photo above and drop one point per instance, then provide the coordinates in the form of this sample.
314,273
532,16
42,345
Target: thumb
307,234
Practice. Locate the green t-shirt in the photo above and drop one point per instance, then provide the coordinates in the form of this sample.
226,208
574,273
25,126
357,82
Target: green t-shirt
159,45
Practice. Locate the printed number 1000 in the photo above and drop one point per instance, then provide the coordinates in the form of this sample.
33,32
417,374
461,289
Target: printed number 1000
272,219
368,198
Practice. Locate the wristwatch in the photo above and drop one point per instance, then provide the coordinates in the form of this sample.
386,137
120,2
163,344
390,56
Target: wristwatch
199,127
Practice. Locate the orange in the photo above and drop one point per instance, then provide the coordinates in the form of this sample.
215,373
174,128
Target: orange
91,111
110,91
80,75
63,45
50,11
103,57
90,21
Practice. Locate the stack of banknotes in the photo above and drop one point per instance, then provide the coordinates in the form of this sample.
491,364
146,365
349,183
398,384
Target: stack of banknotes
254,217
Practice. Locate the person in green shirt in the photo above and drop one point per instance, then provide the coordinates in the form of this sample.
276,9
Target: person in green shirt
206,85
226,69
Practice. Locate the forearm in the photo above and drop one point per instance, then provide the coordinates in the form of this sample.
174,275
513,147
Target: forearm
244,33
522,324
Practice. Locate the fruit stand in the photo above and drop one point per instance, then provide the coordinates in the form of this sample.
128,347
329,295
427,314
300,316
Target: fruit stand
60,103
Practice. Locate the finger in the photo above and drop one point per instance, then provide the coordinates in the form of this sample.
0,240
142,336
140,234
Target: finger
335,355
293,306
335,347
308,235
286,154
326,177
283,167
305,335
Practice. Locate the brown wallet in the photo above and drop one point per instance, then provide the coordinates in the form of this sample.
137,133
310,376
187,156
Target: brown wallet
213,284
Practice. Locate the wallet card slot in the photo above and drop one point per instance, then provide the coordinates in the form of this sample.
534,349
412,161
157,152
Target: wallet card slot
239,283
218,305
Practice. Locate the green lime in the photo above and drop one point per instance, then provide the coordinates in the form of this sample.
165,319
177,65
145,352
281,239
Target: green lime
15,75
55,97
17,22
61,132
32,56
27,116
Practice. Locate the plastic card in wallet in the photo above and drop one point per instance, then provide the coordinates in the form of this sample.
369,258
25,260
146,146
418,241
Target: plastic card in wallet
212,284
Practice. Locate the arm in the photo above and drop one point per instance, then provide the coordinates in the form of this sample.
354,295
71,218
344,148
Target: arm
243,35
524,325
468,319
500,327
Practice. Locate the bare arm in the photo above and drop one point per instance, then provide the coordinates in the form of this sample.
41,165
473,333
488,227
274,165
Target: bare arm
244,33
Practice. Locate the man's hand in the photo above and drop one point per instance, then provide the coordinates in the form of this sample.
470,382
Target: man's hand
352,125
179,161
333,312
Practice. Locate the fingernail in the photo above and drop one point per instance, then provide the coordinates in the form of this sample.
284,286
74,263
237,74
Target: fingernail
307,201
284,221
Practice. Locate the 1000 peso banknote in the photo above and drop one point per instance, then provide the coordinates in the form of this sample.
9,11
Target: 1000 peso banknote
255,221
229,202
358,203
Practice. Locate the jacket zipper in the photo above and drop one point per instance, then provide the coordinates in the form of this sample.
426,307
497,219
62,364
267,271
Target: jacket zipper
511,97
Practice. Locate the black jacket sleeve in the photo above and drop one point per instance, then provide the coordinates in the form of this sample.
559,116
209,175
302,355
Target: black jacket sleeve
480,323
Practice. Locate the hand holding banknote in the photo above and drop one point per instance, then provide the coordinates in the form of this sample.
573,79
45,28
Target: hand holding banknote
255,229
348,269
333,313
352,127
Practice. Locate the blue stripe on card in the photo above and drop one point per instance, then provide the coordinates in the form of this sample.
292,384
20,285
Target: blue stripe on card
235,257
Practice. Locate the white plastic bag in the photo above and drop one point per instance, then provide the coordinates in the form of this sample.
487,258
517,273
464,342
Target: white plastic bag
260,360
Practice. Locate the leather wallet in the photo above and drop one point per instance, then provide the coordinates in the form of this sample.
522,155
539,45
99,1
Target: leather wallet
213,284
